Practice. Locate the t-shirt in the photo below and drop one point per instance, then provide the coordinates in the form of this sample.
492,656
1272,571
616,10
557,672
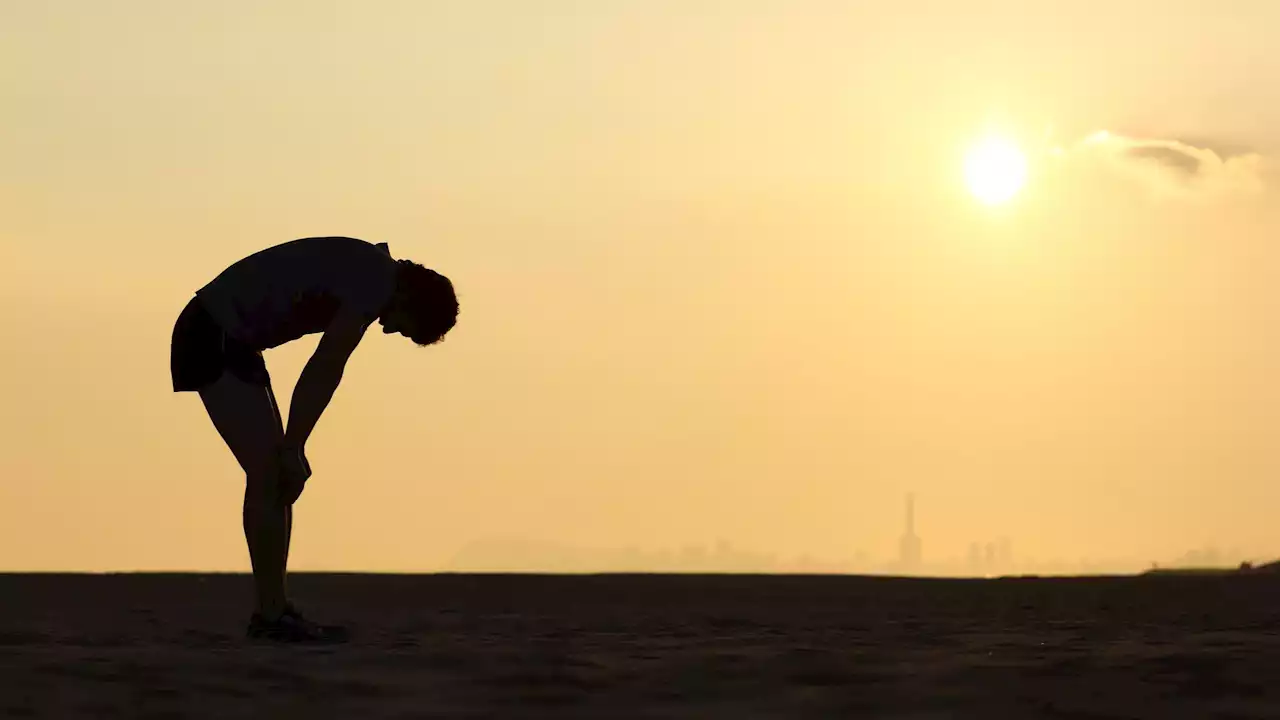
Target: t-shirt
279,294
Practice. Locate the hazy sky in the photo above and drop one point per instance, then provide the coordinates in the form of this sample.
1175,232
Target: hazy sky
719,273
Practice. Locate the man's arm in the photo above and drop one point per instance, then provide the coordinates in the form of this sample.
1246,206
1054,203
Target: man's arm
321,375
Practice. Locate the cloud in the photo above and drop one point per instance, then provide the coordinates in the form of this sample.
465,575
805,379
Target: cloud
1174,159
1177,168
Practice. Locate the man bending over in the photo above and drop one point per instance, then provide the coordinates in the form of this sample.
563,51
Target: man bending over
337,286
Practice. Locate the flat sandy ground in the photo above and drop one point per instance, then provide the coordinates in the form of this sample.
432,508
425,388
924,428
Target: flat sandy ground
659,646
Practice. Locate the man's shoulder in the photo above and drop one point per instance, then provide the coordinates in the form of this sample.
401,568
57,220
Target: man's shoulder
361,273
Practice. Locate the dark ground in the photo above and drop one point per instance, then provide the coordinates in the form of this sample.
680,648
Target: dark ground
657,646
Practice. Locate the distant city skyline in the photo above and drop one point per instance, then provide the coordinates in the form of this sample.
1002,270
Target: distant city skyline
984,558
499,554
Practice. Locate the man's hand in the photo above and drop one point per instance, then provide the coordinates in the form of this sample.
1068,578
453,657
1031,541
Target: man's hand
294,471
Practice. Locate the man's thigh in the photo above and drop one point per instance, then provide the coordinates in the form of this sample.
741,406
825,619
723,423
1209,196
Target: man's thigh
246,417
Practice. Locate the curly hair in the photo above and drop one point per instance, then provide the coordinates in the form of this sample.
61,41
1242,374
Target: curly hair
428,301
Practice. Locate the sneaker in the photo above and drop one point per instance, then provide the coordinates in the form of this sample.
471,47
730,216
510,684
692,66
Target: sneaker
292,627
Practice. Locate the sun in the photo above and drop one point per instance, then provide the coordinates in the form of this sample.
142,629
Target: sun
995,170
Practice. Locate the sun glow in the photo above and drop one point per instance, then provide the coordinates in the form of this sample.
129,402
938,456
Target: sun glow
995,170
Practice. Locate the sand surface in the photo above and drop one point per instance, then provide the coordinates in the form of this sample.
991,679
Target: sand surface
462,646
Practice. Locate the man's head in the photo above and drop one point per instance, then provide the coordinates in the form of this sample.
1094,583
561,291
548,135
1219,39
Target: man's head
423,307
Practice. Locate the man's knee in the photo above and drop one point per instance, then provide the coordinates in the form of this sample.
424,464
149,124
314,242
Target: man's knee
261,491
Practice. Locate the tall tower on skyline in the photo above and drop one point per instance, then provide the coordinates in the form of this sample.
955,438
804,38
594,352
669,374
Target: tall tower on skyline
909,548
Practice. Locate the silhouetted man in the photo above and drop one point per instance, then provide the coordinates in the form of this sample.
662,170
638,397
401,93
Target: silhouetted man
332,285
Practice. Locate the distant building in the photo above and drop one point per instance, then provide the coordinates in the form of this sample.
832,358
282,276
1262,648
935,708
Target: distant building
909,547
975,557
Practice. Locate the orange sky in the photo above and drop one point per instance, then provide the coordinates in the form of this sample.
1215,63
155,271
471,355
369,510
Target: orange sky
719,275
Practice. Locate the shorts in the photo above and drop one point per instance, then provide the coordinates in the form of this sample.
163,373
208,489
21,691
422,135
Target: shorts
201,351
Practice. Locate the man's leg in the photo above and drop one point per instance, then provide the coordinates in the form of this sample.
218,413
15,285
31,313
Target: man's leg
288,509
248,421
